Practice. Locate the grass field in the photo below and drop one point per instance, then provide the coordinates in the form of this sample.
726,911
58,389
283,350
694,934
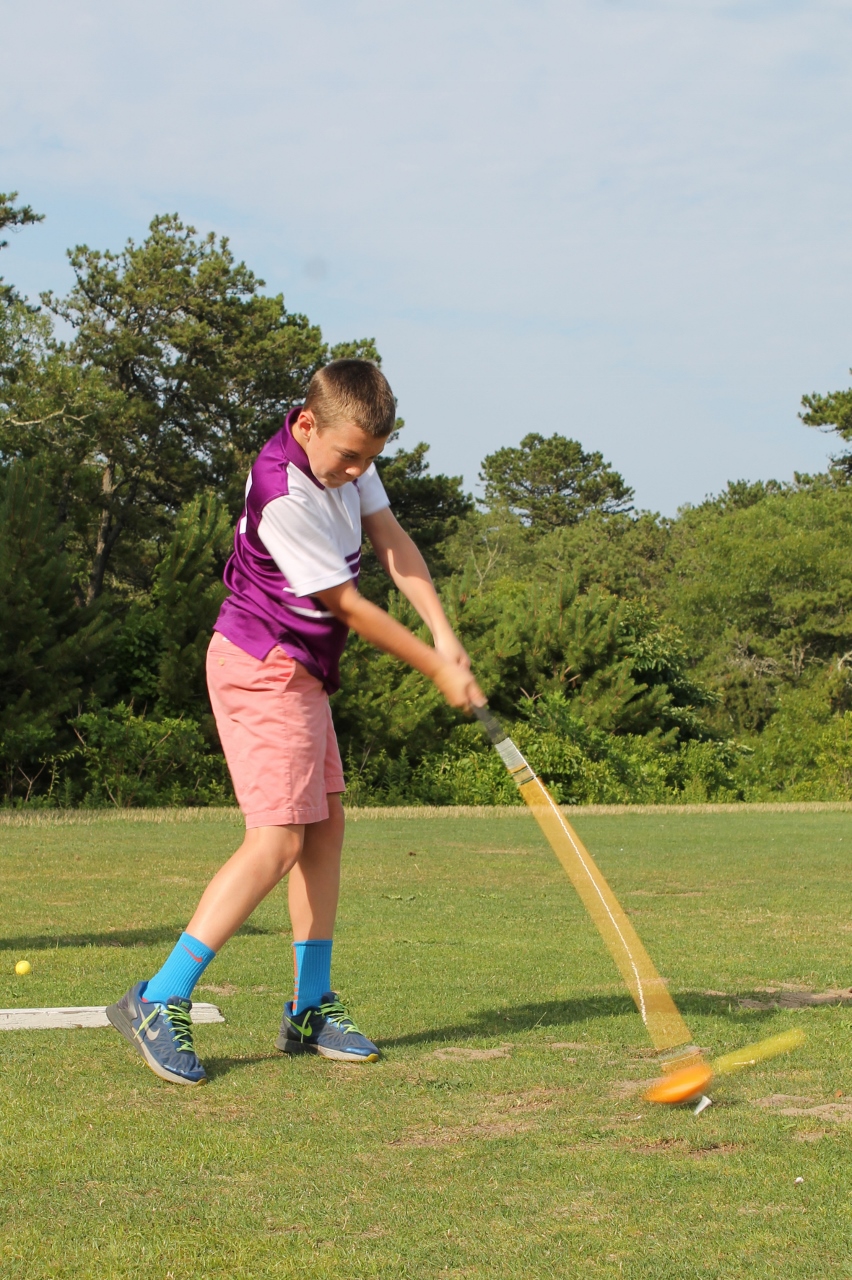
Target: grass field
504,1133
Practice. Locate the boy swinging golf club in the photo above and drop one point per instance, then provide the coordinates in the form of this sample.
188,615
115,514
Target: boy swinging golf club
271,666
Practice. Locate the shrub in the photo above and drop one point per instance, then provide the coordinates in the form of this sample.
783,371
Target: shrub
578,764
131,760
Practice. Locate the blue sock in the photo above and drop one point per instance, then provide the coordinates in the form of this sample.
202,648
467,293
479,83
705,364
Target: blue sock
312,962
181,971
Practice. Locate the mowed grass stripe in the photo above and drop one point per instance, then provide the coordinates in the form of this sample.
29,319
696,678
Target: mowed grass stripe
231,815
504,1132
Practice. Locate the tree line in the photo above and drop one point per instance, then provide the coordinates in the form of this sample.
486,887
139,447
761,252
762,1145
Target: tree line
637,658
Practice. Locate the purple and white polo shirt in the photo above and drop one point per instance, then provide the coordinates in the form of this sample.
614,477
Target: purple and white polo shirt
295,537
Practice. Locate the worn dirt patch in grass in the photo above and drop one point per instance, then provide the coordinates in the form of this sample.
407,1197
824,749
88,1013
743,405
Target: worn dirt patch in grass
503,1115
538,1098
716,1149
777,998
623,1089
666,893
206,1105
786,996
681,1147
457,1053
789,1104
438,1136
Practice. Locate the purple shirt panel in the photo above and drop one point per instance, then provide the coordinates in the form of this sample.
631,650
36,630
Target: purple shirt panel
262,610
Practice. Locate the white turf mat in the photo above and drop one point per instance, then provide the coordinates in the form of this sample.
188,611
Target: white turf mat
84,1016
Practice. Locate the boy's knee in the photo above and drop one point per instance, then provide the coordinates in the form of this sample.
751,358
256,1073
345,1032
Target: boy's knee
279,847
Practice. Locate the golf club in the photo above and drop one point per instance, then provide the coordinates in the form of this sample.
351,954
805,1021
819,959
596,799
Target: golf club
666,1028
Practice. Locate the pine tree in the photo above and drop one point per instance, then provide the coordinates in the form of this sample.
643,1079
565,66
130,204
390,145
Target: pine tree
48,644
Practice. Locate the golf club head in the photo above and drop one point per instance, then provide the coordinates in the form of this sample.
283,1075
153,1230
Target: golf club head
681,1086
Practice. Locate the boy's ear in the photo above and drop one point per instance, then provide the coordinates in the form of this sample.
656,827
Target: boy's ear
306,422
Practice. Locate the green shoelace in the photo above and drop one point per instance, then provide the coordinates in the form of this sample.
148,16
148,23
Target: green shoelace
334,1011
179,1020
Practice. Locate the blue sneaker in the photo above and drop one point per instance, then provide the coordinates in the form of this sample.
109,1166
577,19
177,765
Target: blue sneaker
325,1029
162,1033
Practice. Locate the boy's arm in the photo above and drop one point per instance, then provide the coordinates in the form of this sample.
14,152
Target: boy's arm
405,566
452,678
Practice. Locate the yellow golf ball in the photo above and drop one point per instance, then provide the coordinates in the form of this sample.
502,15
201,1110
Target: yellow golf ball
23,967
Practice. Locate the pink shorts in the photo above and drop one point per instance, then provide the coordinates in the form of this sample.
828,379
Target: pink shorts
275,726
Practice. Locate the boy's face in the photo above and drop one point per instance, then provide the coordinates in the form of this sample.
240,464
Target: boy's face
337,453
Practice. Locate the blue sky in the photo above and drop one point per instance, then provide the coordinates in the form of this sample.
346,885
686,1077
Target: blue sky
624,220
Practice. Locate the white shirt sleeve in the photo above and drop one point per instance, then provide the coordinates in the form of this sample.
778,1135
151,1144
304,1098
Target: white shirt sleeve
302,545
371,491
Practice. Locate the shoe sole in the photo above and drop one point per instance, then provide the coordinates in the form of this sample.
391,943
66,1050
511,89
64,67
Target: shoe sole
123,1025
336,1055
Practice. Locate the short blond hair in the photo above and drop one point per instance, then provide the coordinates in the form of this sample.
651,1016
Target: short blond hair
352,391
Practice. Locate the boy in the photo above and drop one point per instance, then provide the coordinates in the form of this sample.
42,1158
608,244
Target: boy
271,665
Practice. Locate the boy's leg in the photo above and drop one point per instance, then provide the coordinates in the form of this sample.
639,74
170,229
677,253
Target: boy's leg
262,860
154,1016
273,720
313,891
315,1020
314,885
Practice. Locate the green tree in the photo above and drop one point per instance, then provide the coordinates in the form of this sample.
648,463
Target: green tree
384,708
22,332
622,668
13,217
550,483
429,508
24,338
831,412
627,555
48,645
187,593
616,665
158,655
178,370
763,594
598,691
